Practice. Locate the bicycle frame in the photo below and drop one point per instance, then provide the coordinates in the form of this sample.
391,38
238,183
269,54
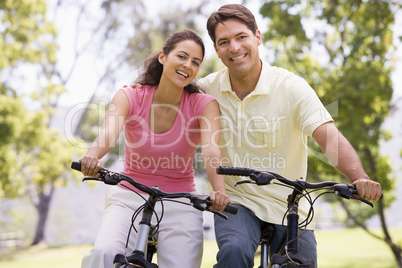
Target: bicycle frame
291,258
292,241
142,242
292,253
267,232
143,247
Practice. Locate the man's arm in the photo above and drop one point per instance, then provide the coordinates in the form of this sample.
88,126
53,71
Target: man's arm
345,159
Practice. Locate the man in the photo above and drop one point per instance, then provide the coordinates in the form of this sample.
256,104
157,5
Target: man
267,113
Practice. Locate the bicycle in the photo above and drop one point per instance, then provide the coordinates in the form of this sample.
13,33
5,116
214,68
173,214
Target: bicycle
288,256
146,245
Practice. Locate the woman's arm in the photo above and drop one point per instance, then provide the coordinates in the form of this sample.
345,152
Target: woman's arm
110,131
211,154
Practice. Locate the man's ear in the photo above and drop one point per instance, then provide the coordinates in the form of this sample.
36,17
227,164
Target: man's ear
259,38
161,57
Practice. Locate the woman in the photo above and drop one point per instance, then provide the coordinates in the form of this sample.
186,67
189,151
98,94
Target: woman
164,122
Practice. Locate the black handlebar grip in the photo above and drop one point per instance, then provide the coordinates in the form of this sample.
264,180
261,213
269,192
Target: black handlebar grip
76,165
230,209
234,171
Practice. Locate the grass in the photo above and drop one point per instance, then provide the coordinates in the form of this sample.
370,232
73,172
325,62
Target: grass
336,249
354,248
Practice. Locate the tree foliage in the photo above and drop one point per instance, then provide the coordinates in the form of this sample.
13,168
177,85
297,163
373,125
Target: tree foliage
344,50
23,24
33,157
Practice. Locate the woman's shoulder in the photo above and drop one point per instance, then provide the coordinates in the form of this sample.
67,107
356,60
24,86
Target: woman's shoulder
137,97
197,102
135,90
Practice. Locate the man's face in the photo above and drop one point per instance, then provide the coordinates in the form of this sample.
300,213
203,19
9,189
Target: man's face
237,46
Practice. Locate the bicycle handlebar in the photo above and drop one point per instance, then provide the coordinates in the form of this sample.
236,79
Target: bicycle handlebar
200,202
347,191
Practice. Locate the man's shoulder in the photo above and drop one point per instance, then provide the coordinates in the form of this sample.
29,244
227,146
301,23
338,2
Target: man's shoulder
210,79
279,72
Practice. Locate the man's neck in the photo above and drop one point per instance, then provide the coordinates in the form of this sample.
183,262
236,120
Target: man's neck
243,84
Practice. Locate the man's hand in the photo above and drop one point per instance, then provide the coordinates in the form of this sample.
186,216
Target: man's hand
136,85
368,189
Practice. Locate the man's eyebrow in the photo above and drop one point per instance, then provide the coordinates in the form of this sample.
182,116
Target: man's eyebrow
225,38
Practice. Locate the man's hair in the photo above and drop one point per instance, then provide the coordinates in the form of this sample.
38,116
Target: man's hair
231,11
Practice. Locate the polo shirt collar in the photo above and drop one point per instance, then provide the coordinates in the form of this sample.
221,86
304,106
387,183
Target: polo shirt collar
262,87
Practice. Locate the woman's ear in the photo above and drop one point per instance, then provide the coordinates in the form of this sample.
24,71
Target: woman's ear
161,57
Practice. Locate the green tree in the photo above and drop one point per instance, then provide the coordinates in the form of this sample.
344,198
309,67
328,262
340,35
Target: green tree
344,50
34,158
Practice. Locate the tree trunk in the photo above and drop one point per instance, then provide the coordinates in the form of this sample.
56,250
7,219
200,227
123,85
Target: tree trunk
42,207
396,250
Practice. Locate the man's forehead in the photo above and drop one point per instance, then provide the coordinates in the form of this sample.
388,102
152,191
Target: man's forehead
231,27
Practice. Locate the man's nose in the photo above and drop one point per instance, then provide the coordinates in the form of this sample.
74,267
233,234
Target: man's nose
234,46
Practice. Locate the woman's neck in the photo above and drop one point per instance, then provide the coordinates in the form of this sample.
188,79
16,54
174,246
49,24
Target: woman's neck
164,95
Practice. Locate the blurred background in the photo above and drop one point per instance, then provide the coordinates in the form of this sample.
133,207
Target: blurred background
61,61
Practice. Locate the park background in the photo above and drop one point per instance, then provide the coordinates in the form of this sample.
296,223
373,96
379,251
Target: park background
60,71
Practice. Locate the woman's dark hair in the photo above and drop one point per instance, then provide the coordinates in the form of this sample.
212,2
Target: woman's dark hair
153,68
231,11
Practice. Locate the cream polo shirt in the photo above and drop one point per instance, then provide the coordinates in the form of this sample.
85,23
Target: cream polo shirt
267,130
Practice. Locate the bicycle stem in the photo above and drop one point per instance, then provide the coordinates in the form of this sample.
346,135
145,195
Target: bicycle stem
293,222
292,252
144,228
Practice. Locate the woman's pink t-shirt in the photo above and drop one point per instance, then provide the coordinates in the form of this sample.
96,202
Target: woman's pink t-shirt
164,159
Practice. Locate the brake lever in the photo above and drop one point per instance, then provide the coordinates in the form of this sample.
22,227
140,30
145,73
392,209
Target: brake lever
349,192
217,213
363,200
106,180
204,203
92,179
244,181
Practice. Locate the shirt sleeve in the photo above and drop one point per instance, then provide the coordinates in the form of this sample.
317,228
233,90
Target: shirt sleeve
200,101
307,109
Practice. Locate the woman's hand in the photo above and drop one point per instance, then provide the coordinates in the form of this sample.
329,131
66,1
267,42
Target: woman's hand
90,166
220,200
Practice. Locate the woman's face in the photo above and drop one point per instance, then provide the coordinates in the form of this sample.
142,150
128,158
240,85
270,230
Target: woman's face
181,65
